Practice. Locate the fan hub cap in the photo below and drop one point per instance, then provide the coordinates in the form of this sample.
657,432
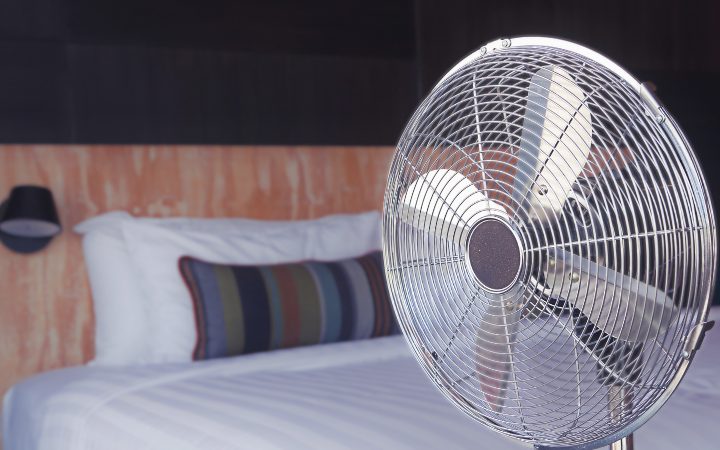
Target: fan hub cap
494,254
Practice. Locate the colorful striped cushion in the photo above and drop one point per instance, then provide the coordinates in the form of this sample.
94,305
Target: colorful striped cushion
246,309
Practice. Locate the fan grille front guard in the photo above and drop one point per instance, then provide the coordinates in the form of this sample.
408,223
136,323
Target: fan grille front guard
639,207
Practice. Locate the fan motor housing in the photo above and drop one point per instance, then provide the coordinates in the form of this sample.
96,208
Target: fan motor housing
494,254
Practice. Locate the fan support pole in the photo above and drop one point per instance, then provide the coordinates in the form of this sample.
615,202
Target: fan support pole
625,443
620,403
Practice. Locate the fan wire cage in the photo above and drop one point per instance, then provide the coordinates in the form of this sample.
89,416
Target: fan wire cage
523,357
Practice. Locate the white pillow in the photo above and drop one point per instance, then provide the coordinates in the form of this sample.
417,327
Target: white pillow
155,251
121,323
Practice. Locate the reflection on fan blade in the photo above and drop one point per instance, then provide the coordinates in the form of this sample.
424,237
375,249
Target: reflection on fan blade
554,144
617,304
445,203
493,364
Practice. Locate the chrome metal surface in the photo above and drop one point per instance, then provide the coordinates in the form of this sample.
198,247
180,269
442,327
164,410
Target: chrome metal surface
614,222
626,443
620,403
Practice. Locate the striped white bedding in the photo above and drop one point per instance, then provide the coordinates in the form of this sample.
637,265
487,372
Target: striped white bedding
357,395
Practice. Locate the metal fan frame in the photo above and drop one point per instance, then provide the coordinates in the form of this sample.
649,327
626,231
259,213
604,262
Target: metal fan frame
665,120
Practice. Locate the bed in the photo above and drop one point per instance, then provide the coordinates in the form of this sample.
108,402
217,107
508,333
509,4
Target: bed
362,394
165,374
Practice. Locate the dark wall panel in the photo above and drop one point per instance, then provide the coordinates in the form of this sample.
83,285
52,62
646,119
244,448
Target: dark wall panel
214,71
33,20
34,102
156,95
375,28
132,94
290,99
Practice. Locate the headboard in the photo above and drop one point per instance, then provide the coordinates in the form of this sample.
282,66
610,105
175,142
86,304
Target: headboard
46,318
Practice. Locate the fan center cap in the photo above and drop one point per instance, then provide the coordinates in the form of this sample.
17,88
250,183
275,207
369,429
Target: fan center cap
494,254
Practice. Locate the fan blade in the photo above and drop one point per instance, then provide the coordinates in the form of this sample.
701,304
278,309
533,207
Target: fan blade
554,144
493,346
445,203
617,304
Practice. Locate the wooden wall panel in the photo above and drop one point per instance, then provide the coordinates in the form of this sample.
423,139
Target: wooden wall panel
46,316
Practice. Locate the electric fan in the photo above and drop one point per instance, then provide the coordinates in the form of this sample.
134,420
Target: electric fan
549,244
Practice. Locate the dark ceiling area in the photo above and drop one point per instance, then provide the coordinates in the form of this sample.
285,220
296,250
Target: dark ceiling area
307,72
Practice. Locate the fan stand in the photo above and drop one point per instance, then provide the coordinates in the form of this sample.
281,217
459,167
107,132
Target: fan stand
620,403
623,358
625,443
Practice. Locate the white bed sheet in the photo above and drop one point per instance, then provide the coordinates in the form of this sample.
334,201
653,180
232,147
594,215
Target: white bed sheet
358,395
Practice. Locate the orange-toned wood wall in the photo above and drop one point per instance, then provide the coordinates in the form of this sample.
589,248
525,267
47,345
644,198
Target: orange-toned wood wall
46,318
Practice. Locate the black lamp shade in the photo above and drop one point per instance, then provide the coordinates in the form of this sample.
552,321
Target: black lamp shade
30,213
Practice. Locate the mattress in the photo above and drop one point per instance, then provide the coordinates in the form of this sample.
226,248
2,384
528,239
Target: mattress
352,395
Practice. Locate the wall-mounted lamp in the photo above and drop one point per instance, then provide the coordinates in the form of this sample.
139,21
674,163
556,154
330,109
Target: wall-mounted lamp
28,219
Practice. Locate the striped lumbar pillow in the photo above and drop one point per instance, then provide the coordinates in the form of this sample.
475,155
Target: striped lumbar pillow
246,309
